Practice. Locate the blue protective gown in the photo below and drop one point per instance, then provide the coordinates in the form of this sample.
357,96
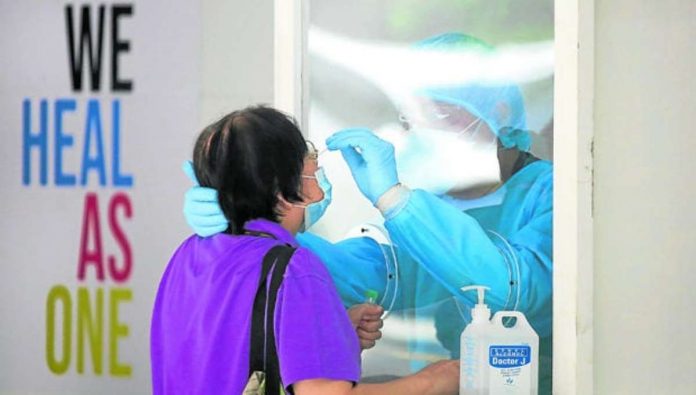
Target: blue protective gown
440,248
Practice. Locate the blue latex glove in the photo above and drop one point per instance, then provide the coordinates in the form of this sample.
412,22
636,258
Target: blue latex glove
202,208
371,160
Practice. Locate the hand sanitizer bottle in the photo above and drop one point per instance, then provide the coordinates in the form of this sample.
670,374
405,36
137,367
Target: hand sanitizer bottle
513,355
473,374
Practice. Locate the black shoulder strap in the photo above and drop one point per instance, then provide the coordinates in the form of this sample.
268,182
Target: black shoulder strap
262,354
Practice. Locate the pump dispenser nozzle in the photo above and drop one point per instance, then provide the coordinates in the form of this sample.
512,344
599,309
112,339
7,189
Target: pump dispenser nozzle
480,312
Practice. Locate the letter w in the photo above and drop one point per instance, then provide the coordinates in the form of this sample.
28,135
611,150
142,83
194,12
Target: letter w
76,56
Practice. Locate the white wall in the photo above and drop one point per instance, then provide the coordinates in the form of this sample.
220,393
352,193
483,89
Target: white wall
190,62
645,189
237,57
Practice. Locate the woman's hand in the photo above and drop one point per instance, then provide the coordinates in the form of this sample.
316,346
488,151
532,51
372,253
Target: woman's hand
367,321
441,378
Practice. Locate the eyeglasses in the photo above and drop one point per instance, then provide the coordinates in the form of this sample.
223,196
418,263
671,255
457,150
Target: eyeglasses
433,118
472,128
312,152
437,115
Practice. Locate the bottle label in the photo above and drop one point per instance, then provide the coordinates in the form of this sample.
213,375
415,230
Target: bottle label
509,369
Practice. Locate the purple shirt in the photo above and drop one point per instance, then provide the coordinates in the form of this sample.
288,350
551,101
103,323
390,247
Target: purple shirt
201,323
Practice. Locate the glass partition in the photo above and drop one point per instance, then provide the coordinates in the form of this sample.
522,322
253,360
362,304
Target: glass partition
463,91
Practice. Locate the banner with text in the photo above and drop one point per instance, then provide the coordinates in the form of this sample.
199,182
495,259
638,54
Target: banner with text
98,108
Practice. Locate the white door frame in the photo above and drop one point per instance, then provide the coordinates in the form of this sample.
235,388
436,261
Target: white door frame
573,192
573,136
290,88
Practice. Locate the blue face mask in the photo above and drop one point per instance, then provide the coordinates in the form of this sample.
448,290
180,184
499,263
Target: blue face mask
316,210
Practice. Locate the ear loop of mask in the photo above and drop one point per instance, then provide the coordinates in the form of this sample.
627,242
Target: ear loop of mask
315,210
312,154
310,178
314,177
475,124
303,206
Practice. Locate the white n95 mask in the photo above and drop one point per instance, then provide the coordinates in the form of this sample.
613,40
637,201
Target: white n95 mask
441,161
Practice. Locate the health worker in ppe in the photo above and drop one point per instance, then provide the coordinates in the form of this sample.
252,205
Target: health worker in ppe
449,231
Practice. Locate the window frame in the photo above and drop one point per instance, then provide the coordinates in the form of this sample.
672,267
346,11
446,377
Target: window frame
573,171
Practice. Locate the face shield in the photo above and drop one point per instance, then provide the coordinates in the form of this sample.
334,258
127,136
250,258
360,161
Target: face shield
452,131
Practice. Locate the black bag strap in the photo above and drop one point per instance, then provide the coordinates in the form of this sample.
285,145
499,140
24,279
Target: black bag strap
262,354
273,364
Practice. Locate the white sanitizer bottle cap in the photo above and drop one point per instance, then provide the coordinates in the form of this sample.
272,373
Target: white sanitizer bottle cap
480,312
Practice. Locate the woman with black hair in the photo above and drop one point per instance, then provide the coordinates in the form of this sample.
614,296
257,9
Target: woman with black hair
268,181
